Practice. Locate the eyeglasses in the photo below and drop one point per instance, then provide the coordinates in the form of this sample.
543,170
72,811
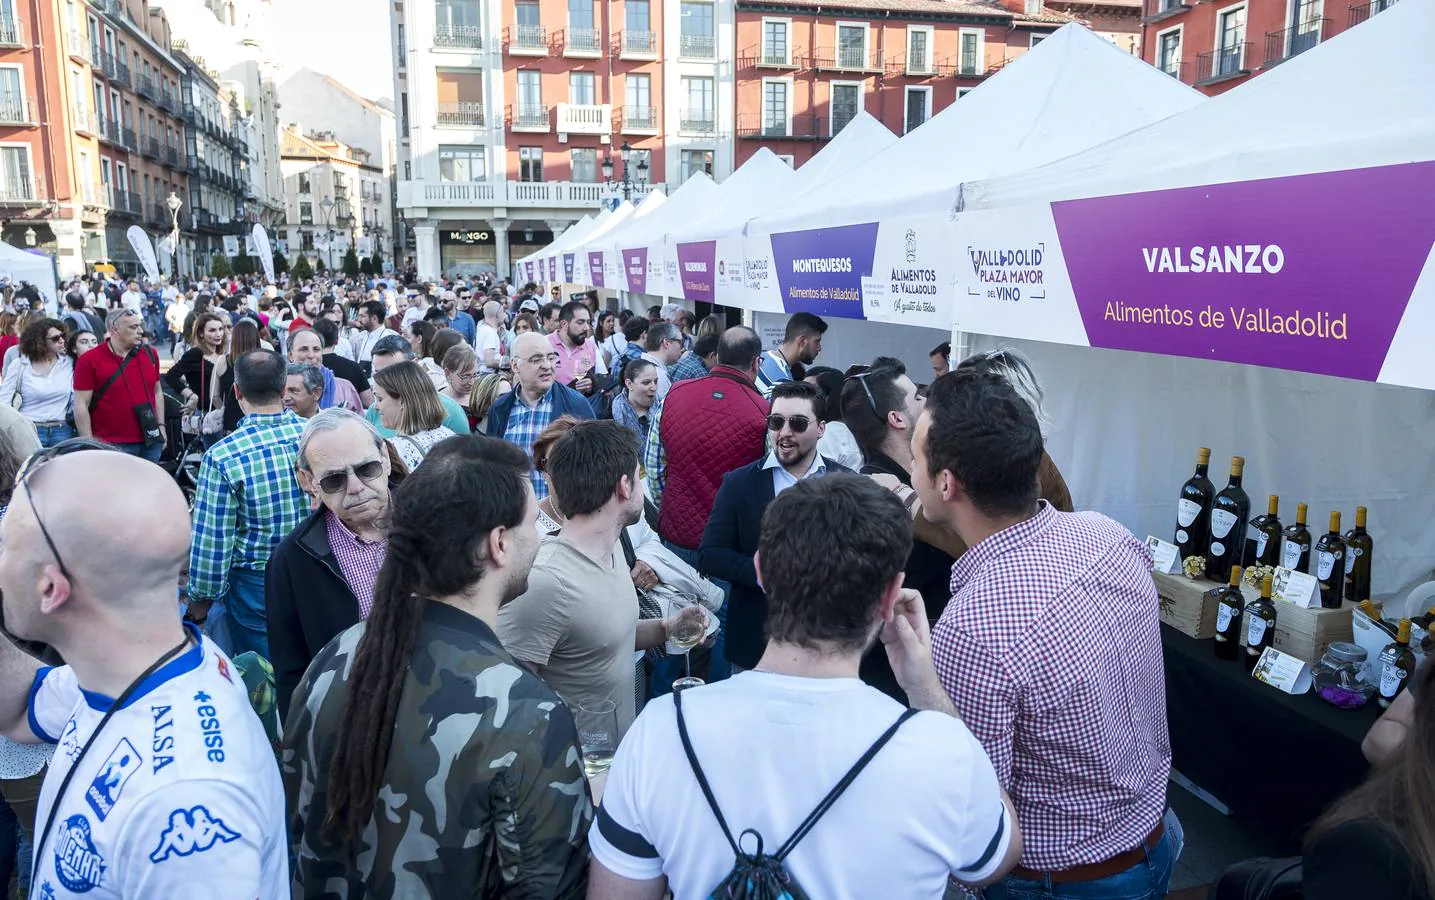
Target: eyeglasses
861,378
797,423
335,482
57,338
34,464
551,359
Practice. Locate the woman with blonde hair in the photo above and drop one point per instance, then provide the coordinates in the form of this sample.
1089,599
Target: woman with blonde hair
409,405
487,389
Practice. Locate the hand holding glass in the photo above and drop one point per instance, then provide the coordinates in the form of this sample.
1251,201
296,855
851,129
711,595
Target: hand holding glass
685,631
597,722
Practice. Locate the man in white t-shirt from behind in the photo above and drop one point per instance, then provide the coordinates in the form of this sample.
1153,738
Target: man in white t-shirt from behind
488,338
773,741
178,793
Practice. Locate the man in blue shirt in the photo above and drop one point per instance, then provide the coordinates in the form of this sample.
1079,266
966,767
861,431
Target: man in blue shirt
800,344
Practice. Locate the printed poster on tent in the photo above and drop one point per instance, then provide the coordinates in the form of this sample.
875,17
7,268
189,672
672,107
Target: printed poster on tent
913,270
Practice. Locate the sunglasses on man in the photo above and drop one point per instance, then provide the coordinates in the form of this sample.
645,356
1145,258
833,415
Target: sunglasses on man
798,424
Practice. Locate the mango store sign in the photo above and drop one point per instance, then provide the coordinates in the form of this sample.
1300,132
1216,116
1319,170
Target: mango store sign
1311,273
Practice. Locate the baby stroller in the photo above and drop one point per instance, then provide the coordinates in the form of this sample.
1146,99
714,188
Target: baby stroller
184,446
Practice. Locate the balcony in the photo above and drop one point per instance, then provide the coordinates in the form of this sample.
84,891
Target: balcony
523,194
1364,11
584,118
583,42
1215,66
144,87
9,31
697,122
171,157
697,46
17,190
15,109
129,140
846,59
636,44
914,65
122,74
777,58
152,149
79,47
110,131
1293,41
1159,10
117,201
640,120
531,118
460,114
341,191
158,214
969,64
85,121
168,103
527,40
455,37
106,61
189,113
800,128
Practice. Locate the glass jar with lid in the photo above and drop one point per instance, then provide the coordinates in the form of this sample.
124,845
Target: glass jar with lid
1340,676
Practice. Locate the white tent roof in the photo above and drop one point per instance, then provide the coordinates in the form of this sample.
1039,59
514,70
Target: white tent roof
1072,91
747,191
863,138
623,213
21,265
649,227
1361,99
574,232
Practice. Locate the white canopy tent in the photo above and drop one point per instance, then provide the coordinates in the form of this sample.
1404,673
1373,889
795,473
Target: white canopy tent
575,232
19,265
639,242
594,247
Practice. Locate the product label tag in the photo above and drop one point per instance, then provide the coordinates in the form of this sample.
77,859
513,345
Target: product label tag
1221,523
1325,564
1290,554
1261,540
1223,618
1351,555
1165,557
1282,671
1186,512
1255,630
1294,587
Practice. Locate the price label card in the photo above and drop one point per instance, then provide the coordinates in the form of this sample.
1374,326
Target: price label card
1165,556
1282,671
1295,587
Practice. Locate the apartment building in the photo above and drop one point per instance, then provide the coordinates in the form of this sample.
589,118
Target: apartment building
1217,45
336,197
517,119
220,197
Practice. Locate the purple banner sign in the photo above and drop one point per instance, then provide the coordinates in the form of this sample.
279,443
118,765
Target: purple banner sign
1310,273
553,269
568,261
821,271
635,265
595,268
697,267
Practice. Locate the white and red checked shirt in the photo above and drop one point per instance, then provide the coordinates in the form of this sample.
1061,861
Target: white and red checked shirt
1051,651
359,560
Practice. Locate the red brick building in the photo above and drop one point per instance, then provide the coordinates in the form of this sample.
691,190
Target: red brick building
1217,45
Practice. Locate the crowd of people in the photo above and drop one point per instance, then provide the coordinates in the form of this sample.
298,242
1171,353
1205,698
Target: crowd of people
445,545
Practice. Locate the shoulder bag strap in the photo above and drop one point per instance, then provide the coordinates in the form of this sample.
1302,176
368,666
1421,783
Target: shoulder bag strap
100,392
842,785
629,554
698,773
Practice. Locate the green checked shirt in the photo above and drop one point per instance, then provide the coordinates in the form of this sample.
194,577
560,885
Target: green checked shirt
248,499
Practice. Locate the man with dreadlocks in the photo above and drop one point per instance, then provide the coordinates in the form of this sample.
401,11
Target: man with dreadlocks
421,760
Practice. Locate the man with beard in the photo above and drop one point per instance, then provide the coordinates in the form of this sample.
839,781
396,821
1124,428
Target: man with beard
800,345
578,357
422,759
730,539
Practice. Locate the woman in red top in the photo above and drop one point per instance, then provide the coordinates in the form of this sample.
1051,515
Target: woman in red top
10,327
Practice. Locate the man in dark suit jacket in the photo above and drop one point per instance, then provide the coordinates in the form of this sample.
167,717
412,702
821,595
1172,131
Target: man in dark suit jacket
733,530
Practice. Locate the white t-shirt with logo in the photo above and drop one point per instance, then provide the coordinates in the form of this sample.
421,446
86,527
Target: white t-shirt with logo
772,746
179,797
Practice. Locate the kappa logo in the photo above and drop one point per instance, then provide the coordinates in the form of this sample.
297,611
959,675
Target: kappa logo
911,247
78,865
191,831
124,761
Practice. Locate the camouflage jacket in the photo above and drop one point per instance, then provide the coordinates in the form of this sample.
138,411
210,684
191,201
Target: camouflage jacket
484,794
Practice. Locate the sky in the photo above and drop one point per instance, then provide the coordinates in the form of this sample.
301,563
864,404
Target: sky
347,39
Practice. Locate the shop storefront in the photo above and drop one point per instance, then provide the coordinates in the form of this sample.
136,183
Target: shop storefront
467,250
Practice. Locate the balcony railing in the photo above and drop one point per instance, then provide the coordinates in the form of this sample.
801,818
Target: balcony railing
585,118
14,109
1156,10
167,102
129,140
528,117
800,128
110,131
144,86
79,46
1226,62
1364,11
152,148
846,59
776,56
1293,41
582,42
970,64
106,60
920,64
529,194
457,37
9,30
122,73
697,121
638,44
84,121
171,157
697,46
639,119
528,40
460,114
17,189
189,113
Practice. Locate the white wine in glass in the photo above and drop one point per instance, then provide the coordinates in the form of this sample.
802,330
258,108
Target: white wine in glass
596,762
685,634
597,722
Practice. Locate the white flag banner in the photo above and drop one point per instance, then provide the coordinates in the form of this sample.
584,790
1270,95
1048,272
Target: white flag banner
264,251
231,245
144,249
366,246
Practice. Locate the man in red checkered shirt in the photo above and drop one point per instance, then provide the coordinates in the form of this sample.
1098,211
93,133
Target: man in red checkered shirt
1050,650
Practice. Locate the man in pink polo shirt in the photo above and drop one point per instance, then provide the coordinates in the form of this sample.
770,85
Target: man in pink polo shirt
578,357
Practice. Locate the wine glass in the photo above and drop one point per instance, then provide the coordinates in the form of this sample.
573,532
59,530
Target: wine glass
687,632
597,722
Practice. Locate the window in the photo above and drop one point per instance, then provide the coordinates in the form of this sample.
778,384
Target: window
692,162
1035,38
852,46
775,49
461,163
1168,52
918,107
1230,41
306,213
15,180
455,14
122,177
304,186
527,15
12,95
698,112
585,165
919,50
1305,15
306,240
580,14
638,94
846,102
1034,7
696,30
962,92
404,113
87,177
581,88
775,114
787,158
637,15
530,93
530,163
970,62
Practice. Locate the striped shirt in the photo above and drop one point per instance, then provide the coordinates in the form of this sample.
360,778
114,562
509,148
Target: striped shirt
773,371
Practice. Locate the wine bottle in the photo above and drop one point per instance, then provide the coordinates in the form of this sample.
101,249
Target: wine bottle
1260,625
1330,564
1266,533
1358,549
1397,664
1193,510
1295,552
1230,607
1229,513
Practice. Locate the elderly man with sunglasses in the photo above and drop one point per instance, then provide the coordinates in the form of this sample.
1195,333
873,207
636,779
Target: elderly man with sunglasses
321,577
730,539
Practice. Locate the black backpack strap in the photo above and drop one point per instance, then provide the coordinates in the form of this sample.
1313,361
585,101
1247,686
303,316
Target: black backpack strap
100,391
841,786
698,772
629,554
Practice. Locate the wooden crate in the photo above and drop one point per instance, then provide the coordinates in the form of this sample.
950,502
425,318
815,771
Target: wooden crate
1184,605
1305,633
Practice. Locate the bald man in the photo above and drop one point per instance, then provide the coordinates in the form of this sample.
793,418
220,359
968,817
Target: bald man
536,400
176,785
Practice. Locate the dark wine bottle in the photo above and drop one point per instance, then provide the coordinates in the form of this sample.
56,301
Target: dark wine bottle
1359,547
1397,665
1230,607
1229,513
1330,565
1193,510
1260,625
1295,551
1265,535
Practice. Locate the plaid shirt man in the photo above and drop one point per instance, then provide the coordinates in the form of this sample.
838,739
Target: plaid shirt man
690,366
1051,651
248,499
655,457
525,424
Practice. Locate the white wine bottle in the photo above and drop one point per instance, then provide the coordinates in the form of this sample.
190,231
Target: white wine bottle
1230,512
